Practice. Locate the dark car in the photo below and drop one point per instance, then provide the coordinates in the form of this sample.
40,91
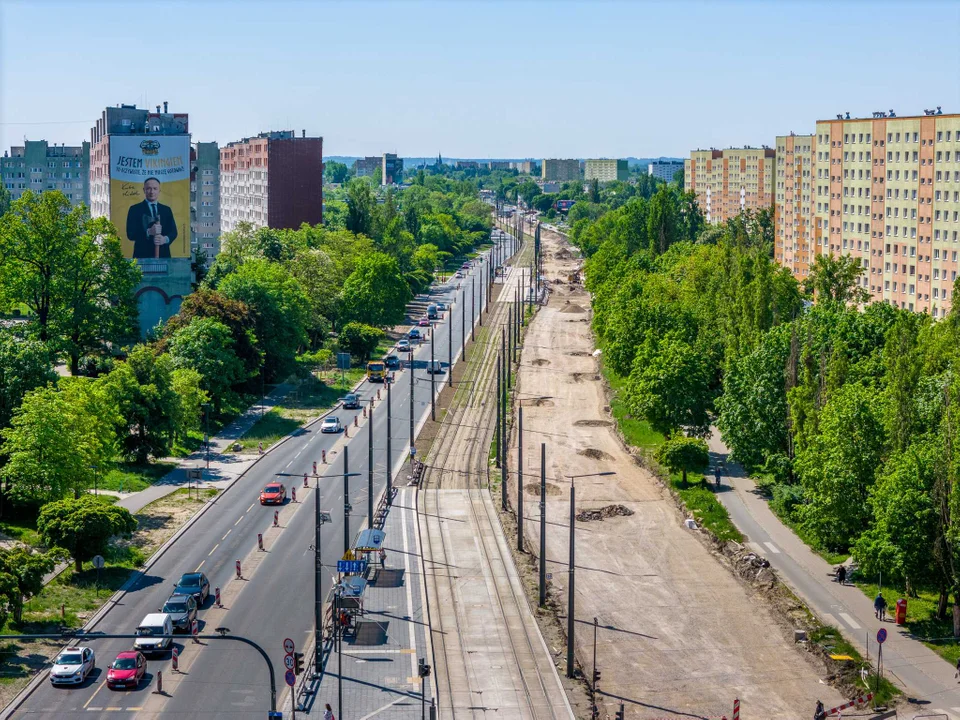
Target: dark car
182,610
392,362
195,584
351,401
414,334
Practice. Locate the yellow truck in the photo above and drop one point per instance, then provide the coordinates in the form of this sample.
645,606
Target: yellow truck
376,371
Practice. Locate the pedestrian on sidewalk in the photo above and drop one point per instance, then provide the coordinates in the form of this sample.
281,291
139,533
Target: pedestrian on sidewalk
328,713
958,670
880,606
842,574
383,558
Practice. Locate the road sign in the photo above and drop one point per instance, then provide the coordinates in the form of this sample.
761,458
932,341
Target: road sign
352,566
98,561
288,662
195,474
290,678
882,635
325,516
343,361
288,646
348,555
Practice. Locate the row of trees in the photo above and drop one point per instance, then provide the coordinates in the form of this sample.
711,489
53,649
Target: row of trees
846,411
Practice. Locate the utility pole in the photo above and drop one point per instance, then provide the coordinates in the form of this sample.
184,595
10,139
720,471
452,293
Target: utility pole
463,324
596,673
499,439
508,359
433,375
450,349
571,579
370,467
473,306
346,498
519,476
411,399
503,433
389,453
317,585
543,524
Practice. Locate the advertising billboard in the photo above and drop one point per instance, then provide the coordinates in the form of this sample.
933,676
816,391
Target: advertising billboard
150,194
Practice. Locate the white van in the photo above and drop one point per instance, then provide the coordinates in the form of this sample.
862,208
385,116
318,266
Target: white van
149,631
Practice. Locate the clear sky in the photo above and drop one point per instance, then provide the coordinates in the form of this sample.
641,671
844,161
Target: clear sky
477,79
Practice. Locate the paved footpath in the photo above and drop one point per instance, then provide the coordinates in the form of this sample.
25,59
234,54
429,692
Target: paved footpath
924,675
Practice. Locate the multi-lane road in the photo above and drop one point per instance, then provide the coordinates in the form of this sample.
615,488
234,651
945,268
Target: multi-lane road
274,598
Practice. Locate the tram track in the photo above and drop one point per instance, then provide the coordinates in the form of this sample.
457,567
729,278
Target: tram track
468,559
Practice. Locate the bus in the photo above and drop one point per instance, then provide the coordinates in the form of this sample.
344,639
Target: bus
376,371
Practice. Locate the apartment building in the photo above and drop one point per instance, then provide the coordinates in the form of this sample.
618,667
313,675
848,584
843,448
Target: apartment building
727,182
367,166
888,194
794,203
560,170
274,179
664,169
391,169
524,167
36,165
205,197
604,170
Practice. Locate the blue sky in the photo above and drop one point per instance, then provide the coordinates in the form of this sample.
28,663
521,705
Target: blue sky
477,79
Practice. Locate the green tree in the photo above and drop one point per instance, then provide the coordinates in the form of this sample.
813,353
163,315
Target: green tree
593,194
5,200
678,178
375,293
684,454
662,221
206,345
836,280
902,363
84,526
335,172
360,207
280,310
360,340
187,387
70,271
22,570
24,365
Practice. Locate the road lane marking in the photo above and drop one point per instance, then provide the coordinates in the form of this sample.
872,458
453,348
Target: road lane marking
297,455
773,548
214,548
251,506
200,566
90,700
850,621
238,521
225,536
288,465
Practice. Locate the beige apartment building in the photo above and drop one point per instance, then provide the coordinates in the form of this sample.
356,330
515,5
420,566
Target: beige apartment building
888,193
560,170
604,170
727,182
794,203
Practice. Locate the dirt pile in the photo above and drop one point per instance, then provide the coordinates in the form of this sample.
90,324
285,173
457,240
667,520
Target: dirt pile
534,489
595,454
572,308
593,423
603,513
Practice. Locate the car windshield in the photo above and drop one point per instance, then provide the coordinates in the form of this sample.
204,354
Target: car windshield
376,367
175,607
330,421
124,664
190,579
144,631
69,659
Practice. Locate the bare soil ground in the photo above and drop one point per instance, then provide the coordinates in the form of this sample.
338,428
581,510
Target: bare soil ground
679,636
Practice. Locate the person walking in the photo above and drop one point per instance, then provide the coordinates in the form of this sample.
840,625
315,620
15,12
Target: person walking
958,670
383,558
328,713
880,606
842,574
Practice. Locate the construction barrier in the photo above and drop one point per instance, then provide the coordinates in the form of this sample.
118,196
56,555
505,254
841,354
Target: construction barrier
175,659
159,690
260,541
853,703
216,595
293,494
276,518
323,456
305,475
239,574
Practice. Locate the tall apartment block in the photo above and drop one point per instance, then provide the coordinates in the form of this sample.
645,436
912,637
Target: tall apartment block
604,170
367,166
560,170
391,170
888,194
36,165
274,179
664,169
140,180
205,197
727,182
794,203
524,167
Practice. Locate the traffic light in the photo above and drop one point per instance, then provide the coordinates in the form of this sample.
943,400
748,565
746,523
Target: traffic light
596,677
423,670
620,712
297,663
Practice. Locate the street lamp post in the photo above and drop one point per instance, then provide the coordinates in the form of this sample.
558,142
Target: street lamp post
389,454
346,498
206,436
543,524
571,603
519,476
433,375
473,307
370,467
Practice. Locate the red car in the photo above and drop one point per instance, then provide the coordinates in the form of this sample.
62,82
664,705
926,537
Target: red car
273,494
424,322
127,670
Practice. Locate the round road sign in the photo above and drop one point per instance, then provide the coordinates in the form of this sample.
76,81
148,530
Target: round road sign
290,678
881,635
98,561
288,662
288,646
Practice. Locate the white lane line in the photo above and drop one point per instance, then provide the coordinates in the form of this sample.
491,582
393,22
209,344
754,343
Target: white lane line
251,506
850,621
238,521
200,566
377,712
288,464
296,456
225,534
214,548
773,548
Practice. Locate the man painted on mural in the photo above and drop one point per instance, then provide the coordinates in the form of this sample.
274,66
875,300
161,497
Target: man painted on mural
150,224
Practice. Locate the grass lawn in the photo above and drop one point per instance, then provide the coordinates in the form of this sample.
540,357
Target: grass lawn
267,430
22,528
134,477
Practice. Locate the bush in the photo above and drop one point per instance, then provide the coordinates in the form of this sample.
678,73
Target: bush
786,499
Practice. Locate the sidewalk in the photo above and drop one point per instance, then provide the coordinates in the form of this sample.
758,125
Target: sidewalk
924,675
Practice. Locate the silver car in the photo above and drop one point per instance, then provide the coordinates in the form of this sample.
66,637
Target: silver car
72,666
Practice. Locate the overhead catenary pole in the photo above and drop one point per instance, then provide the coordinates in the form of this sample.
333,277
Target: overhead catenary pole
505,473
543,524
370,467
317,586
433,375
463,323
411,403
450,348
519,476
473,306
346,498
508,357
389,453
571,605
499,439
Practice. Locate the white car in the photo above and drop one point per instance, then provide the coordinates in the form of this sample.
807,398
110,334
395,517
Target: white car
72,666
331,425
403,346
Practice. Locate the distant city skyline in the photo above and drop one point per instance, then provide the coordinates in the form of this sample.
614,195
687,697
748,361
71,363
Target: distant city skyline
477,80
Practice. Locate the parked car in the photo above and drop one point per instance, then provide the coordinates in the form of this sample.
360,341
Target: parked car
182,610
351,401
72,666
331,424
127,670
273,494
195,584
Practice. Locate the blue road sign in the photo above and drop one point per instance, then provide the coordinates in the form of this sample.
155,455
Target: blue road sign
290,678
357,567
274,714
881,635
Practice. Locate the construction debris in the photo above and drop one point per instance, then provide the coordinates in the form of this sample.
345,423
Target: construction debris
603,513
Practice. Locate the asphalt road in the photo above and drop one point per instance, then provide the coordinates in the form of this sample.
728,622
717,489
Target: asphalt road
275,599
